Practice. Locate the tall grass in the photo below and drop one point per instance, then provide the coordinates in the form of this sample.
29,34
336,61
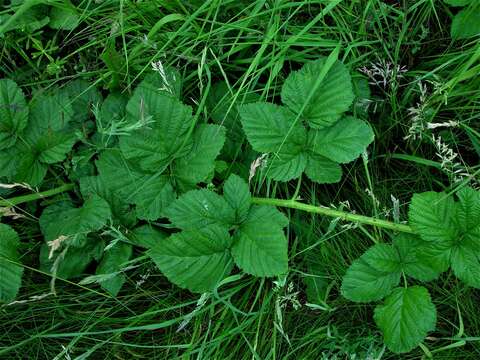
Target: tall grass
253,45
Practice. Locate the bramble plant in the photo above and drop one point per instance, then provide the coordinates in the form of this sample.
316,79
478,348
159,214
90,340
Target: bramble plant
134,162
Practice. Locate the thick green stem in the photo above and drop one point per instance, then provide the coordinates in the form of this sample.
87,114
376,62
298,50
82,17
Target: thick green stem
334,213
32,197
292,204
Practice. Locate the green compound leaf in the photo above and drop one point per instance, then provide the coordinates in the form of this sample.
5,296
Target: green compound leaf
331,98
452,230
372,276
151,193
198,165
13,113
416,262
344,141
197,209
432,214
237,195
10,271
63,219
322,170
405,318
197,260
46,139
112,262
270,127
466,23
260,247
160,126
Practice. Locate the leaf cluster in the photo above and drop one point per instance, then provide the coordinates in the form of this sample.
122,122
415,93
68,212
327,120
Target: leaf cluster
310,133
448,235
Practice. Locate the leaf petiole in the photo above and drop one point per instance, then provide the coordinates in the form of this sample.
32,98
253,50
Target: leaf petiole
334,213
36,196
292,204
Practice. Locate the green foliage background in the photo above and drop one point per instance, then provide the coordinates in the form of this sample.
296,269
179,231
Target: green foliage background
415,65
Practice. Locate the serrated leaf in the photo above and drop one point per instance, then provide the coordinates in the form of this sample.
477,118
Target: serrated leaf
197,209
199,163
342,142
49,112
260,247
372,276
13,113
146,236
237,194
466,23
122,212
468,210
84,97
431,214
331,98
10,271
48,133
322,170
270,127
154,196
197,260
150,192
465,261
161,125
415,262
63,219
405,318
120,174
287,164
164,80
112,262
264,213
27,166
